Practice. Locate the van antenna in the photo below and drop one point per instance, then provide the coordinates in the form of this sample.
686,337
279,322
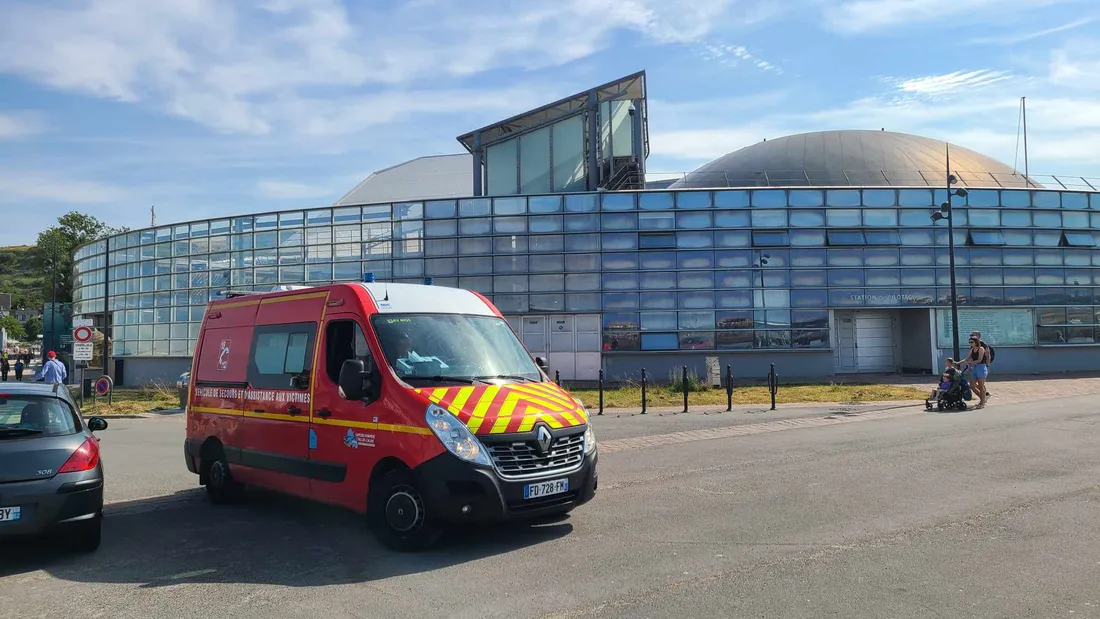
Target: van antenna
386,287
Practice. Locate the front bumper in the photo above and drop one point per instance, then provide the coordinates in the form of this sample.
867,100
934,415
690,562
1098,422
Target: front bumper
448,485
66,499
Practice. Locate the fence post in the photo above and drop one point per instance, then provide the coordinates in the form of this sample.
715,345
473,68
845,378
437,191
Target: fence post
643,391
773,384
601,393
684,384
557,377
729,388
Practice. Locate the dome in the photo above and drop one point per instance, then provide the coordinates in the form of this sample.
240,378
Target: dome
850,158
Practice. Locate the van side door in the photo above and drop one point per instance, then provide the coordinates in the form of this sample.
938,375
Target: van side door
344,443
275,445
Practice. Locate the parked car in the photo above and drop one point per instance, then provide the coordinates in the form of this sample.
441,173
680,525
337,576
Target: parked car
416,406
182,387
51,475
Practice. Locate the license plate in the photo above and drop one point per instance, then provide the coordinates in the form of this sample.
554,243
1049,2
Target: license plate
545,488
8,514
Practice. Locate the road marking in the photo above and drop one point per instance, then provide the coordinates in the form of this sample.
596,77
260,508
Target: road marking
749,429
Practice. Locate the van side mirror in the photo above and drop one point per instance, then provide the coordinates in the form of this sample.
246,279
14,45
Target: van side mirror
539,361
359,380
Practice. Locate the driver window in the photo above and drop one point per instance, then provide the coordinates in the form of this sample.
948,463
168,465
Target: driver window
343,340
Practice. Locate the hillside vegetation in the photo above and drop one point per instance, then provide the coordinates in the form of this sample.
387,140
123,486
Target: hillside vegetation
21,278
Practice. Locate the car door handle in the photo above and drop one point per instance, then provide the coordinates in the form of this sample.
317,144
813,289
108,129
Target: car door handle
294,410
324,413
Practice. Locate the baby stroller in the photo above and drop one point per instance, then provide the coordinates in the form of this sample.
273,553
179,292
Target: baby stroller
955,396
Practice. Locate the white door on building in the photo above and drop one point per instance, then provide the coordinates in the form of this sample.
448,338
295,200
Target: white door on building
570,344
845,356
875,342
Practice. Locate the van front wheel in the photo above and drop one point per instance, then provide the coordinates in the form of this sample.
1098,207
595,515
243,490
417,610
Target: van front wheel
398,514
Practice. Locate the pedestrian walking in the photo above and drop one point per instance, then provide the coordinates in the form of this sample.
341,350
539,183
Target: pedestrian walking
979,362
5,367
19,367
990,352
53,370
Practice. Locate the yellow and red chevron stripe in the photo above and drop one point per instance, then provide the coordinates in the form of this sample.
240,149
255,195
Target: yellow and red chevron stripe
506,409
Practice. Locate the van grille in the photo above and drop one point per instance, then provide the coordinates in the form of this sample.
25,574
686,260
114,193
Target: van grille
517,459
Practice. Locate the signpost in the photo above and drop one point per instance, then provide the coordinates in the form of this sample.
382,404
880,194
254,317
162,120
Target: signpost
83,348
104,385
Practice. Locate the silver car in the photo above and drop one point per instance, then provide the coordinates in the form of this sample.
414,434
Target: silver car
51,475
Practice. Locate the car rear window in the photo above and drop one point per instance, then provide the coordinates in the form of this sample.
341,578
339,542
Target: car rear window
31,415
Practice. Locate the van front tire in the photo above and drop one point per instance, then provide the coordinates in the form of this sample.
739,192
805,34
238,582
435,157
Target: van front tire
398,514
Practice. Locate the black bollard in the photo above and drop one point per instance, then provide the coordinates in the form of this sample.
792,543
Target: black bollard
601,393
643,391
773,384
729,388
684,384
557,377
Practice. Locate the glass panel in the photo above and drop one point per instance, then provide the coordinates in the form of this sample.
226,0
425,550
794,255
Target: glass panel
915,197
738,198
1047,219
509,206
568,154
701,219
809,198
770,239
916,237
695,300
1046,199
619,221
657,240
509,225
882,237
732,238
658,260
474,227
692,199
1048,238
619,241
582,203
732,219
1079,239
769,198
845,237
1019,238
547,223
501,162
621,201
474,207
1072,219
883,277
650,201
544,204
986,237
843,217
582,223
695,259
620,262
808,218
845,277
694,240
845,257
769,219
804,258
882,218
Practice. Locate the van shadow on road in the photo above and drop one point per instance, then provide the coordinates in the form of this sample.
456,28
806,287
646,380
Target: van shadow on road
268,539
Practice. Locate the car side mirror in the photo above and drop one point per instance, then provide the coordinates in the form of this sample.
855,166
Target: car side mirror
97,424
359,379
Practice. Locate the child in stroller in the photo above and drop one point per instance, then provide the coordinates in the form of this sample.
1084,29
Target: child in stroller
954,389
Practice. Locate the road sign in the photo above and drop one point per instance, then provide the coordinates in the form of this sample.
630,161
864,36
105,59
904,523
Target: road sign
82,334
103,385
83,351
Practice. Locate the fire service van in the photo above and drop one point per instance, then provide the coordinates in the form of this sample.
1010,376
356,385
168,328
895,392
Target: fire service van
415,405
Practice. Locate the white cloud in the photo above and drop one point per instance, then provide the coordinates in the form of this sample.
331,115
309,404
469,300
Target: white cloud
862,16
28,187
1013,39
289,190
733,54
1077,65
938,86
15,125
251,67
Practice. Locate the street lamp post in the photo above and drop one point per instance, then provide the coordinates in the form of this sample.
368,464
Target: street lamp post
945,213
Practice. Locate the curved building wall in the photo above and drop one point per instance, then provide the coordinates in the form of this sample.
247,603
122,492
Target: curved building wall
672,272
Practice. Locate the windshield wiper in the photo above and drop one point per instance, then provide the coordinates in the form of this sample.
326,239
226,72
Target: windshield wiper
442,379
514,377
16,432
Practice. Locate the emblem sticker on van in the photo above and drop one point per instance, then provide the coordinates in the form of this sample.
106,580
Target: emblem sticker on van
223,356
355,440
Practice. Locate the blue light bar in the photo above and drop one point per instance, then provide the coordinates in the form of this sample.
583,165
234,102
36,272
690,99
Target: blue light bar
428,281
368,277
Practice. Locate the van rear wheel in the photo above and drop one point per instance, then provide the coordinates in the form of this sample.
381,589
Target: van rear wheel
398,514
220,485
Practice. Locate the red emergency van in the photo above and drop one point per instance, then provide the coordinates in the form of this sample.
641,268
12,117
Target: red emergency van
415,405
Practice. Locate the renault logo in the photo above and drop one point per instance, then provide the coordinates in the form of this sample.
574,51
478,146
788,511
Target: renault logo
544,439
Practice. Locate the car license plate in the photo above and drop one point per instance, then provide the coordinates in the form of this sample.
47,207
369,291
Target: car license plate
8,514
545,488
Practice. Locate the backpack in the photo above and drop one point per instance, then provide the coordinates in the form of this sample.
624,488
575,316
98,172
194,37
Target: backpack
992,353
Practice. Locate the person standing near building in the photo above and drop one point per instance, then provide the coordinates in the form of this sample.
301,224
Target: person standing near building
53,371
990,353
5,367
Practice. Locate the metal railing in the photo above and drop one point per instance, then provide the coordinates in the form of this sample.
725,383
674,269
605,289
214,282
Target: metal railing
877,178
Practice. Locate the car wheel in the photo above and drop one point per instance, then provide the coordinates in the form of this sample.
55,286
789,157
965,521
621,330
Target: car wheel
87,535
220,485
398,515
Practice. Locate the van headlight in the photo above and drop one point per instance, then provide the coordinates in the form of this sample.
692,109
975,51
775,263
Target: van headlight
455,436
589,439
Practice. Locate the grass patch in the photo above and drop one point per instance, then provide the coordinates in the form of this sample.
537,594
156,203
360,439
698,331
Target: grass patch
630,396
150,398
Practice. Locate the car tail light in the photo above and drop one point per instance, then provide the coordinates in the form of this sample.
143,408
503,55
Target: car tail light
85,458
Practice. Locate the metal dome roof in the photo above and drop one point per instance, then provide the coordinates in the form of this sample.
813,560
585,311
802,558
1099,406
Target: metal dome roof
851,158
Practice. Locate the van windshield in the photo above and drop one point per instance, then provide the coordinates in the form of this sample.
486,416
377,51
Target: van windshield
453,347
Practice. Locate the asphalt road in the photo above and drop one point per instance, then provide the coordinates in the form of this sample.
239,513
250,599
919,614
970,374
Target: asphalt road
794,513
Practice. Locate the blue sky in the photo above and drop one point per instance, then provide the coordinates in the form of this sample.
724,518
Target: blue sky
212,107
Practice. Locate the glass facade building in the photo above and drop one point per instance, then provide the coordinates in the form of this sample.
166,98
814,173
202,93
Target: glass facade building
668,273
